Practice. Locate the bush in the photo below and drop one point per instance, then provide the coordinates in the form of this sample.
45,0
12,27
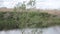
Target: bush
13,20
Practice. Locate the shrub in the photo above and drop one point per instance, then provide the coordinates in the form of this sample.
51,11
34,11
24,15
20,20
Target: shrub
26,20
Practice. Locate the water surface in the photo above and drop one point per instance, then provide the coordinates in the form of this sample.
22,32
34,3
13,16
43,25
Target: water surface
50,30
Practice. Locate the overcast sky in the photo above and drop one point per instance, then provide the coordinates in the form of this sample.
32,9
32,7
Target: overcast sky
51,4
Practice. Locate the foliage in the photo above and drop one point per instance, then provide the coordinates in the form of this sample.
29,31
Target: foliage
20,7
12,20
32,3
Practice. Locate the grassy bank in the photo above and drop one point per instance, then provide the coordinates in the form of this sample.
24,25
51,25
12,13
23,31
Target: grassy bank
13,20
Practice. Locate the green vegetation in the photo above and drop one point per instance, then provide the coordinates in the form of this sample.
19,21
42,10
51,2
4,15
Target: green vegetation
13,20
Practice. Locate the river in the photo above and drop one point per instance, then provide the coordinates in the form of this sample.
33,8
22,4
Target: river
49,30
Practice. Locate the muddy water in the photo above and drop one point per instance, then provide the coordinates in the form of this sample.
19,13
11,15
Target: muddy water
50,30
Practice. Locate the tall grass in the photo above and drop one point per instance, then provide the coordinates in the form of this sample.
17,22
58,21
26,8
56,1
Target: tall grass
13,20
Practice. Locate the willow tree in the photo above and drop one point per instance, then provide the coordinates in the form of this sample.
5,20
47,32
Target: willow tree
32,3
20,6
23,6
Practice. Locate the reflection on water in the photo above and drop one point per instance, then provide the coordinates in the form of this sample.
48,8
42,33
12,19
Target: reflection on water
18,31
50,30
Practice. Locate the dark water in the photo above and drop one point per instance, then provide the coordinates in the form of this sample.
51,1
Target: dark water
50,30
